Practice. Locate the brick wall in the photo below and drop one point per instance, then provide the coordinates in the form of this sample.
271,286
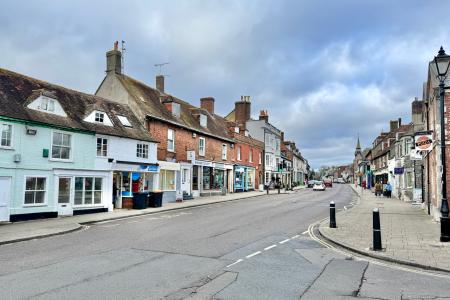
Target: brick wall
248,145
185,141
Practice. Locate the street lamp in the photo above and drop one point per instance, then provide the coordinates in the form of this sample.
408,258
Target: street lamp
442,62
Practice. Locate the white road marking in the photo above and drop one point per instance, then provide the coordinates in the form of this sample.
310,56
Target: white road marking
135,221
112,225
345,207
270,247
236,262
305,232
286,240
253,254
296,236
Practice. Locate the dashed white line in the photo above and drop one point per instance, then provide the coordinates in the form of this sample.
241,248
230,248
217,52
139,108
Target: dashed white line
270,247
305,232
253,254
135,221
286,240
296,236
112,225
236,262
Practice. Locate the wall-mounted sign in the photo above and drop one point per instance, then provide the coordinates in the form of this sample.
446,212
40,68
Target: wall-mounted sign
190,155
398,171
423,142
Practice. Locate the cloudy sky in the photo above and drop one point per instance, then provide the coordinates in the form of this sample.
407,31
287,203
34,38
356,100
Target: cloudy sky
325,70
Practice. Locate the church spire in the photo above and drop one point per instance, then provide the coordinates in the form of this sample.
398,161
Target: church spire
358,148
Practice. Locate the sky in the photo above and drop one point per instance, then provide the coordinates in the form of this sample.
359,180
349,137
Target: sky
326,71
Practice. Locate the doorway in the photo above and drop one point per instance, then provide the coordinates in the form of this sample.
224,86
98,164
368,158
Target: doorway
65,196
186,180
5,198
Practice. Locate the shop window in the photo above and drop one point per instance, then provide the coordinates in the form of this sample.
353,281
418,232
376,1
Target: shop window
142,150
201,146
206,178
35,189
102,147
61,145
170,140
88,190
167,180
218,179
195,178
239,179
250,178
6,135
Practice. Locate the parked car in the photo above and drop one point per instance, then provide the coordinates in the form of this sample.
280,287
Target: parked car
319,186
328,183
341,180
311,183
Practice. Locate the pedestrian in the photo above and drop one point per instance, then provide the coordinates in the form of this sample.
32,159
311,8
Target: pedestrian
378,189
388,188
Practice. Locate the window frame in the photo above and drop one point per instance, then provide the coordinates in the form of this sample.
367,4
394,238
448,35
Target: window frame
11,145
163,177
45,203
101,117
70,159
224,151
250,155
172,149
101,147
201,151
238,153
93,190
144,150
49,102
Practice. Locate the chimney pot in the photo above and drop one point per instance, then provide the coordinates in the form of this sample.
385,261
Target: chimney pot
242,110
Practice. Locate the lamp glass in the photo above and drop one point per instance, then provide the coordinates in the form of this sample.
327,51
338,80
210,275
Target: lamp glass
442,64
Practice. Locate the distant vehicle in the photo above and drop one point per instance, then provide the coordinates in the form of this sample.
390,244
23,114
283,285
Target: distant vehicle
319,186
328,183
341,180
311,183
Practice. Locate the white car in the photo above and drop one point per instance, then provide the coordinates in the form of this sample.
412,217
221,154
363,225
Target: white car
319,186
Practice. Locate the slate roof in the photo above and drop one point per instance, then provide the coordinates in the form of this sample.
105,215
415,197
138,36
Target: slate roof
17,91
149,105
402,130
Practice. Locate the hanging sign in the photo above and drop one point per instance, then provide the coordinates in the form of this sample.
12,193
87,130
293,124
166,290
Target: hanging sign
423,142
398,171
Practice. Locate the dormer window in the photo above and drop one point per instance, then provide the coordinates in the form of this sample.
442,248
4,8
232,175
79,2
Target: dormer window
176,109
203,120
99,117
47,104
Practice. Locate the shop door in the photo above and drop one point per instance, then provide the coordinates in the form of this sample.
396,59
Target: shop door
5,194
65,196
186,180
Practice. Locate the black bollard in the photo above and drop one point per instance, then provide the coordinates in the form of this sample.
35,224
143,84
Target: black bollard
279,188
332,215
376,230
267,188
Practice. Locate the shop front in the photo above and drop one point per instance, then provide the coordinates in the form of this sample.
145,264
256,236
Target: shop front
129,179
244,178
169,181
210,178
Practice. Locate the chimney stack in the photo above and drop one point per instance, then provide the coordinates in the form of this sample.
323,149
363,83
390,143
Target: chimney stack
242,110
264,115
208,104
114,60
160,83
394,124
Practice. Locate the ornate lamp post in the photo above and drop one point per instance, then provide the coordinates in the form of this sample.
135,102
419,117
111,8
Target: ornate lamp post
442,62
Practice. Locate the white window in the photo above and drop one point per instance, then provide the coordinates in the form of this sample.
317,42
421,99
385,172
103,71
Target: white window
99,117
88,190
170,140
176,109
238,152
124,121
47,104
201,146
167,180
268,160
35,188
203,121
236,129
224,151
260,158
250,155
142,150
102,147
6,135
61,145
408,146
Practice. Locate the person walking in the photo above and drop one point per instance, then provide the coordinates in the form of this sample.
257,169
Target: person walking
378,189
388,188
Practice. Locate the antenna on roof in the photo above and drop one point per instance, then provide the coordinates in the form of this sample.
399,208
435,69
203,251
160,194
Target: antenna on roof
160,66
123,54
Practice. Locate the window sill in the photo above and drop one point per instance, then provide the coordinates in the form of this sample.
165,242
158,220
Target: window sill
61,160
35,205
6,148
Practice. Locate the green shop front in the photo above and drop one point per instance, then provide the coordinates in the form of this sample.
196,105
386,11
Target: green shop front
244,178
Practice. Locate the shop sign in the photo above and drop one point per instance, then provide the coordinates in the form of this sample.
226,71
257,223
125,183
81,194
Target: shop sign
398,171
219,166
423,142
203,163
415,154
153,168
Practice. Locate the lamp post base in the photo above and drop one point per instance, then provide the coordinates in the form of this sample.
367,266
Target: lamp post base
445,229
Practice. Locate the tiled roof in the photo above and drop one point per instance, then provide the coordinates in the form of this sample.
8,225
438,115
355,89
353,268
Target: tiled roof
149,105
17,91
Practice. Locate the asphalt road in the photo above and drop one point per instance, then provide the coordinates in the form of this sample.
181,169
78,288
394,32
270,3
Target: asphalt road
256,248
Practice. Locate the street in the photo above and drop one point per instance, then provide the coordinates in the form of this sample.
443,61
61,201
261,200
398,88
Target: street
257,248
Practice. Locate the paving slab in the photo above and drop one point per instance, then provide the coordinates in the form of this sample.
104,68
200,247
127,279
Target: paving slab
409,236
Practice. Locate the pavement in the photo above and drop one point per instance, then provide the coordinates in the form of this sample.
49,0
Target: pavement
27,230
409,235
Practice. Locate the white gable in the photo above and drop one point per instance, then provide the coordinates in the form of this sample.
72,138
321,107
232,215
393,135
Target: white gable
98,117
47,105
